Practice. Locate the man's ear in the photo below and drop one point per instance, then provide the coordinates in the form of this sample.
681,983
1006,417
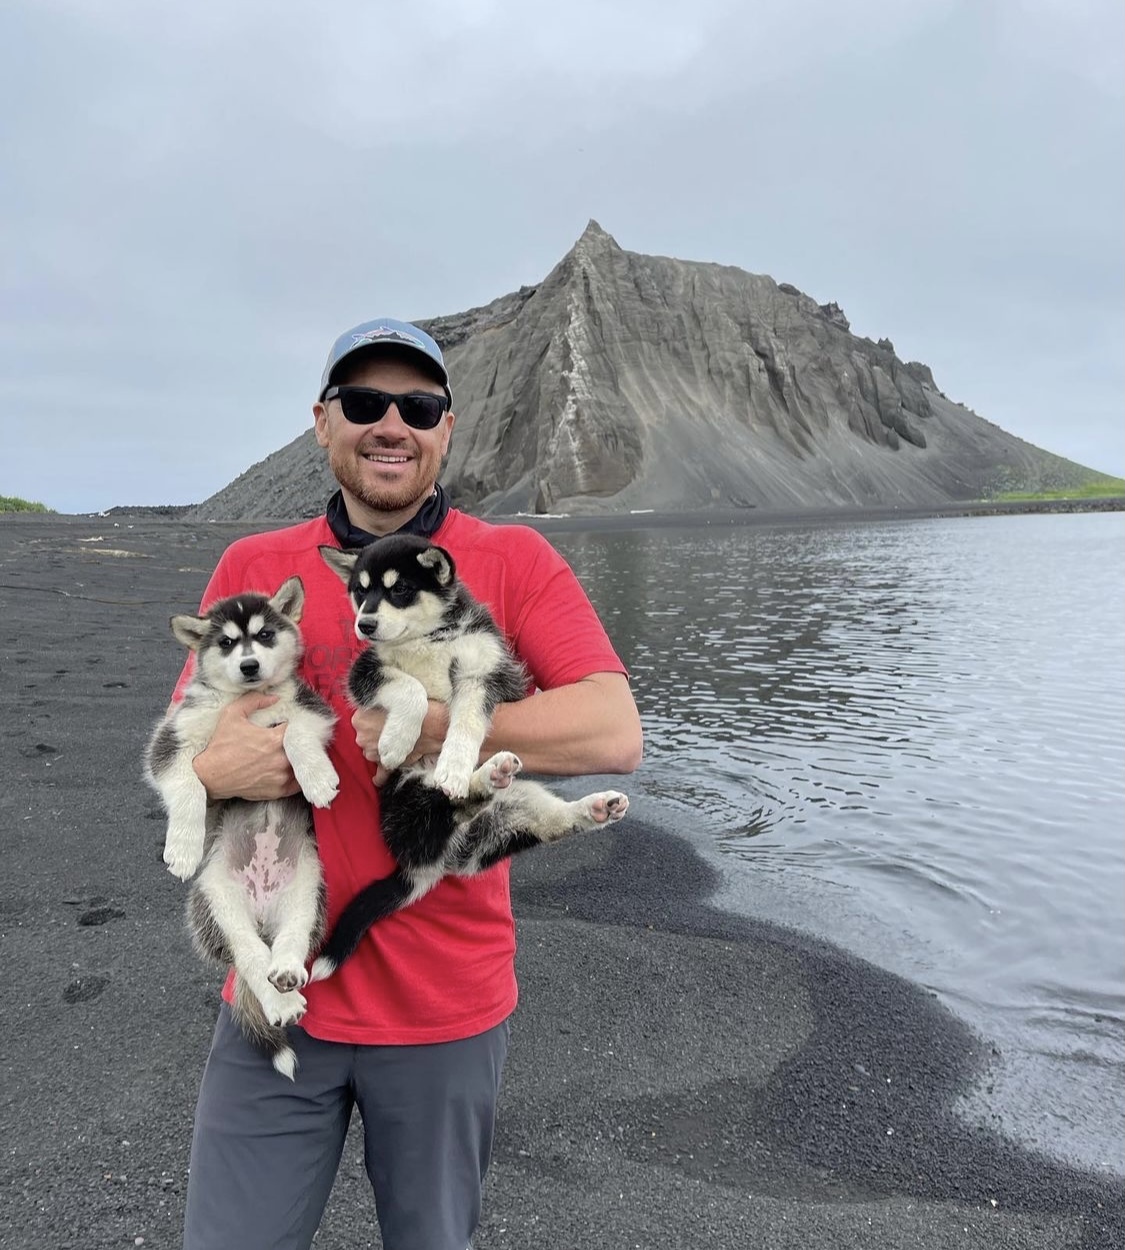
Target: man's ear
320,424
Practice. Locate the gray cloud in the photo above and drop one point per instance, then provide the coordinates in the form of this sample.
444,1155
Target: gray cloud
195,205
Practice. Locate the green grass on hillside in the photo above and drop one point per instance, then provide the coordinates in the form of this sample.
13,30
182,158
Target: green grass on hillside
9,503
1102,488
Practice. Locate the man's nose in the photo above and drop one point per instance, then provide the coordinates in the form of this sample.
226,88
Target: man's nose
392,425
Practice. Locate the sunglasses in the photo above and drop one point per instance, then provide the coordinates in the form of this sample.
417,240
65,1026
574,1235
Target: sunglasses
363,405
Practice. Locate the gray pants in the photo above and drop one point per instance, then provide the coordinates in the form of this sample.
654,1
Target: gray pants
266,1149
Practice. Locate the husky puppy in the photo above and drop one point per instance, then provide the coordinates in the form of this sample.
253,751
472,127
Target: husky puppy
258,903
428,638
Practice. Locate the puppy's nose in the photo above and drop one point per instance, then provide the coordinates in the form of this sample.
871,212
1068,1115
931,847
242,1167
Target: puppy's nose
367,628
249,667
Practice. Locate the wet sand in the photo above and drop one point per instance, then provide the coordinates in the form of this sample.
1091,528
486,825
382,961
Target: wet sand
679,1077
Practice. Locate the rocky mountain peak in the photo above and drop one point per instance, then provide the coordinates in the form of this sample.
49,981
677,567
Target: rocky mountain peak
594,235
625,381
596,255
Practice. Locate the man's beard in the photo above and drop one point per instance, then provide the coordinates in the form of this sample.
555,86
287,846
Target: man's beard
388,498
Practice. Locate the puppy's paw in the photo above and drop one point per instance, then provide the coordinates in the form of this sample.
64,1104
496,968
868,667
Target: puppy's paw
183,853
502,768
455,766
395,744
452,779
286,974
606,807
282,1009
320,787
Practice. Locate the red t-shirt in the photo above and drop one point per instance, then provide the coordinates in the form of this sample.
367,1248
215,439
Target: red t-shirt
443,968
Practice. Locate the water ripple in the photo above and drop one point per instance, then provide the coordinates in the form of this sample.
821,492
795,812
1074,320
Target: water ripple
928,716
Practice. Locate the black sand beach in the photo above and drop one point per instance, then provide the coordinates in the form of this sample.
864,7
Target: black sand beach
679,1077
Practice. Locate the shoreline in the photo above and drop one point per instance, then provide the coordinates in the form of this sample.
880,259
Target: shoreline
680,1075
820,516
173,514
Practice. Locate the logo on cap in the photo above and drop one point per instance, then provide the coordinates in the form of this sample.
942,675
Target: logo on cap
388,332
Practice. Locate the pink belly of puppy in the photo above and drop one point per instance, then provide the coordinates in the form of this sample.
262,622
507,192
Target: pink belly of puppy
267,874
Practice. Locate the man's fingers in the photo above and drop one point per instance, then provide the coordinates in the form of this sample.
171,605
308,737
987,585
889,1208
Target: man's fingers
247,704
368,725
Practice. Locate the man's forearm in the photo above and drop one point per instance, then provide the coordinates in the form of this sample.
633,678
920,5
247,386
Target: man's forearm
591,726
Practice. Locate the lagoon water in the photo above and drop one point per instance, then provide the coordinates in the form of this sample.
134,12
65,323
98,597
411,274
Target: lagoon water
909,738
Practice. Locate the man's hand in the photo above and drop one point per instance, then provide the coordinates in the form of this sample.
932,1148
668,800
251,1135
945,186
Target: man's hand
244,760
368,725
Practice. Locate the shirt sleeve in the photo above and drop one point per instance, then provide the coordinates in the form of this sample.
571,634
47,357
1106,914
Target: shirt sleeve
557,632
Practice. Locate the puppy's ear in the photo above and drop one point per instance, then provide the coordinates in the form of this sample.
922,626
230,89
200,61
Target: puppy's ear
340,562
190,630
290,598
440,562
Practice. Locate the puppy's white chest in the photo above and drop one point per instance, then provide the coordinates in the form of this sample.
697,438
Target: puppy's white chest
430,663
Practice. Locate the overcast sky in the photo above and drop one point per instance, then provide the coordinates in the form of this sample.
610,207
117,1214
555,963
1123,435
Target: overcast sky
198,198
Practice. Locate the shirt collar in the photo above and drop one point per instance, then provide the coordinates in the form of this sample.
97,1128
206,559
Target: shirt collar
425,522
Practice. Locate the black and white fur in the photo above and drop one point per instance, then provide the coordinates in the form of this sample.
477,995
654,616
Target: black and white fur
258,903
428,638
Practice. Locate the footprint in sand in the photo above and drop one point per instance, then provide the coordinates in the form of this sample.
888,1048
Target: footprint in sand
82,989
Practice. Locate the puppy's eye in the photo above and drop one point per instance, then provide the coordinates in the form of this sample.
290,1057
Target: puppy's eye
265,635
399,595
225,643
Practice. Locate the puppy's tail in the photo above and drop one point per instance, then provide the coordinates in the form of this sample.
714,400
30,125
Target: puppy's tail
270,1038
372,903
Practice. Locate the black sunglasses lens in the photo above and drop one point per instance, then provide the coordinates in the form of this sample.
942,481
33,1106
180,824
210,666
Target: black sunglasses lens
364,407
421,412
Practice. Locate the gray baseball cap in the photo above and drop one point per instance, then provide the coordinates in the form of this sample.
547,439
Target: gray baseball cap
386,332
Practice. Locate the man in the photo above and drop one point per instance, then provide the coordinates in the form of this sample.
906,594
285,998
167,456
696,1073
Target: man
413,1028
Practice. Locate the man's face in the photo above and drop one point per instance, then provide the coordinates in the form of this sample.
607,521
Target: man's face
386,470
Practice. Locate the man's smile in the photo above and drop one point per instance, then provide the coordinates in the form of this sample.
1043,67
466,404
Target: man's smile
387,457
